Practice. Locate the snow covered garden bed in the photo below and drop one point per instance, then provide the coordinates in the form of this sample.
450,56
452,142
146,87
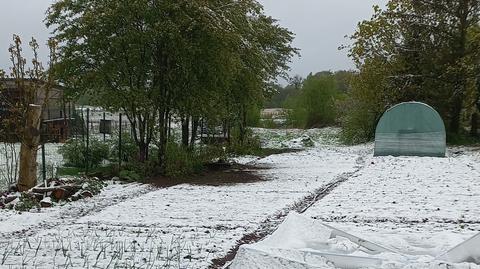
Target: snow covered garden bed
419,206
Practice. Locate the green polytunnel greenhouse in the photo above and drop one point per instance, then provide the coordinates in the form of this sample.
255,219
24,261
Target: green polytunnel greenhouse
411,129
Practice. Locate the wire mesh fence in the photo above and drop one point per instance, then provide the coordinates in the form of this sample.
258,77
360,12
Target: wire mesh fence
85,124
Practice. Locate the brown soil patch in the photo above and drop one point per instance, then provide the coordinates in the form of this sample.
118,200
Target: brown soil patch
214,174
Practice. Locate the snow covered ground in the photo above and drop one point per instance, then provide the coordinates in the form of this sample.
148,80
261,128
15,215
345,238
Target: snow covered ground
183,226
419,206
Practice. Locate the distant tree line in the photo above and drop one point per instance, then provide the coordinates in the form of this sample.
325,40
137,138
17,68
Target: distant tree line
312,102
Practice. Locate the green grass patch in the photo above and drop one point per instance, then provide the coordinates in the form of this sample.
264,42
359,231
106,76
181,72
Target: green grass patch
69,171
100,171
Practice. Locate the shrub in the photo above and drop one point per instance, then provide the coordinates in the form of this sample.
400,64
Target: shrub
182,161
129,148
364,105
358,125
462,138
251,144
129,175
74,152
253,116
26,202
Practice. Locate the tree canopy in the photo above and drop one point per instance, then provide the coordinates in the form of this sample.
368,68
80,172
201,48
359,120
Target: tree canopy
192,59
415,50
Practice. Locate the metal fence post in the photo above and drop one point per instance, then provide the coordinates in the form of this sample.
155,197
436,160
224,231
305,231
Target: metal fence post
44,165
87,147
120,140
104,131
83,125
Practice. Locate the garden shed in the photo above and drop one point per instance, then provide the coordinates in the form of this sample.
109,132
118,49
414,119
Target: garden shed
410,129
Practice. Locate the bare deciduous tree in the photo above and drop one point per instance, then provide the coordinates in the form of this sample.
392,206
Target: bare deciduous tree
33,84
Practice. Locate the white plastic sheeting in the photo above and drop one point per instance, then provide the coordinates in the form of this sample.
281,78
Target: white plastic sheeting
304,243
468,251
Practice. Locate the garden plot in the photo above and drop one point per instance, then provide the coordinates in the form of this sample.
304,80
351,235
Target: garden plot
408,190
420,206
297,138
184,226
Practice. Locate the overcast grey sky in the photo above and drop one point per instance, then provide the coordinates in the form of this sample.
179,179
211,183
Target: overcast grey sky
319,25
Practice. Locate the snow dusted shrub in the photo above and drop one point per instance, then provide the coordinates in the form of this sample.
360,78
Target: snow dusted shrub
93,185
251,144
182,161
75,154
129,148
26,202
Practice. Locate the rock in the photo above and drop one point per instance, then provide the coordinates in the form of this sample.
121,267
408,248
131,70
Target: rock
307,141
12,188
46,202
77,196
59,194
86,194
115,178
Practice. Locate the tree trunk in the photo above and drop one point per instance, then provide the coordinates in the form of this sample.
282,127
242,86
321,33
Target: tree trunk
243,125
28,150
164,119
229,130
142,152
456,114
459,95
195,123
474,124
185,131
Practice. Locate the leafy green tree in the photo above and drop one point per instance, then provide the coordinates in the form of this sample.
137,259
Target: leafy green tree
160,60
106,53
314,106
417,50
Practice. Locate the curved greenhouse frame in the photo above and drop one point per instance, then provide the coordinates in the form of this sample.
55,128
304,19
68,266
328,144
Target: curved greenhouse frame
411,129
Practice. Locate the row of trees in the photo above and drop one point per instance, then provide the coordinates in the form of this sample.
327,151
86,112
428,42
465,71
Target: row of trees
312,102
154,61
416,50
157,60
